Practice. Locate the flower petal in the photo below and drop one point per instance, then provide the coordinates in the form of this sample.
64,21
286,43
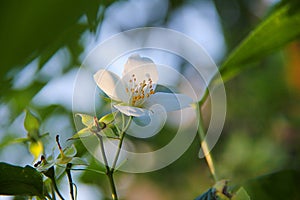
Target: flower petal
111,84
169,101
141,68
157,117
131,111
143,120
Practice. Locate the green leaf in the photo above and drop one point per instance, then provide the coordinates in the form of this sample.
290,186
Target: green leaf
108,132
241,194
87,120
280,28
15,180
93,173
79,161
275,186
85,132
32,125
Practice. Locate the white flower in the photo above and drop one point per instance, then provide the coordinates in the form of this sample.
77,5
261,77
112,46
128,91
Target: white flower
134,95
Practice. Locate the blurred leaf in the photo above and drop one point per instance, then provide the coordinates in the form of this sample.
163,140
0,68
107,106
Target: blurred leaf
81,150
32,29
21,198
280,28
68,38
92,16
79,161
176,4
19,99
241,194
108,132
94,173
235,28
11,139
41,24
275,186
31,123
16,180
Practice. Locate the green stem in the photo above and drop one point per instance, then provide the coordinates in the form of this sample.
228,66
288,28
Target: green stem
103,151
56,189
204,97
110,176
122,134
97,133
53,192
89,170
68,171
204,146
110,171
118,151
50,173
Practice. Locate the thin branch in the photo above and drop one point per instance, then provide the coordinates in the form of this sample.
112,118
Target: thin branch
91,170
68,171
109,172
50,173
110,176
204,146
56,189
122,134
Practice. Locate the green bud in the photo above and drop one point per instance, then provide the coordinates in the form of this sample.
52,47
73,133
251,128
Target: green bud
107,119
87,120
32,125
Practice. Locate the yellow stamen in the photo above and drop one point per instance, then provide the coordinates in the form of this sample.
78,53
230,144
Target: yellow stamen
139,90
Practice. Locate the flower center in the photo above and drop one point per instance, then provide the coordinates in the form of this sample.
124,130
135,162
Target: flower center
139,92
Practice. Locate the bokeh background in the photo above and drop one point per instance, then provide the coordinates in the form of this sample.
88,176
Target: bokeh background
43,43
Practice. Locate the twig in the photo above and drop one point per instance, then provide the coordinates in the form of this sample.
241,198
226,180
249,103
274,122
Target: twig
68,171
204,146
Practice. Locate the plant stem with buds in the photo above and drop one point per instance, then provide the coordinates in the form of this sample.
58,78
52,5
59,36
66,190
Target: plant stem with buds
110,170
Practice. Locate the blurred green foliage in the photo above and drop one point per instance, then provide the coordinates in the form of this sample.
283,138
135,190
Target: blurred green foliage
37,30
276,31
